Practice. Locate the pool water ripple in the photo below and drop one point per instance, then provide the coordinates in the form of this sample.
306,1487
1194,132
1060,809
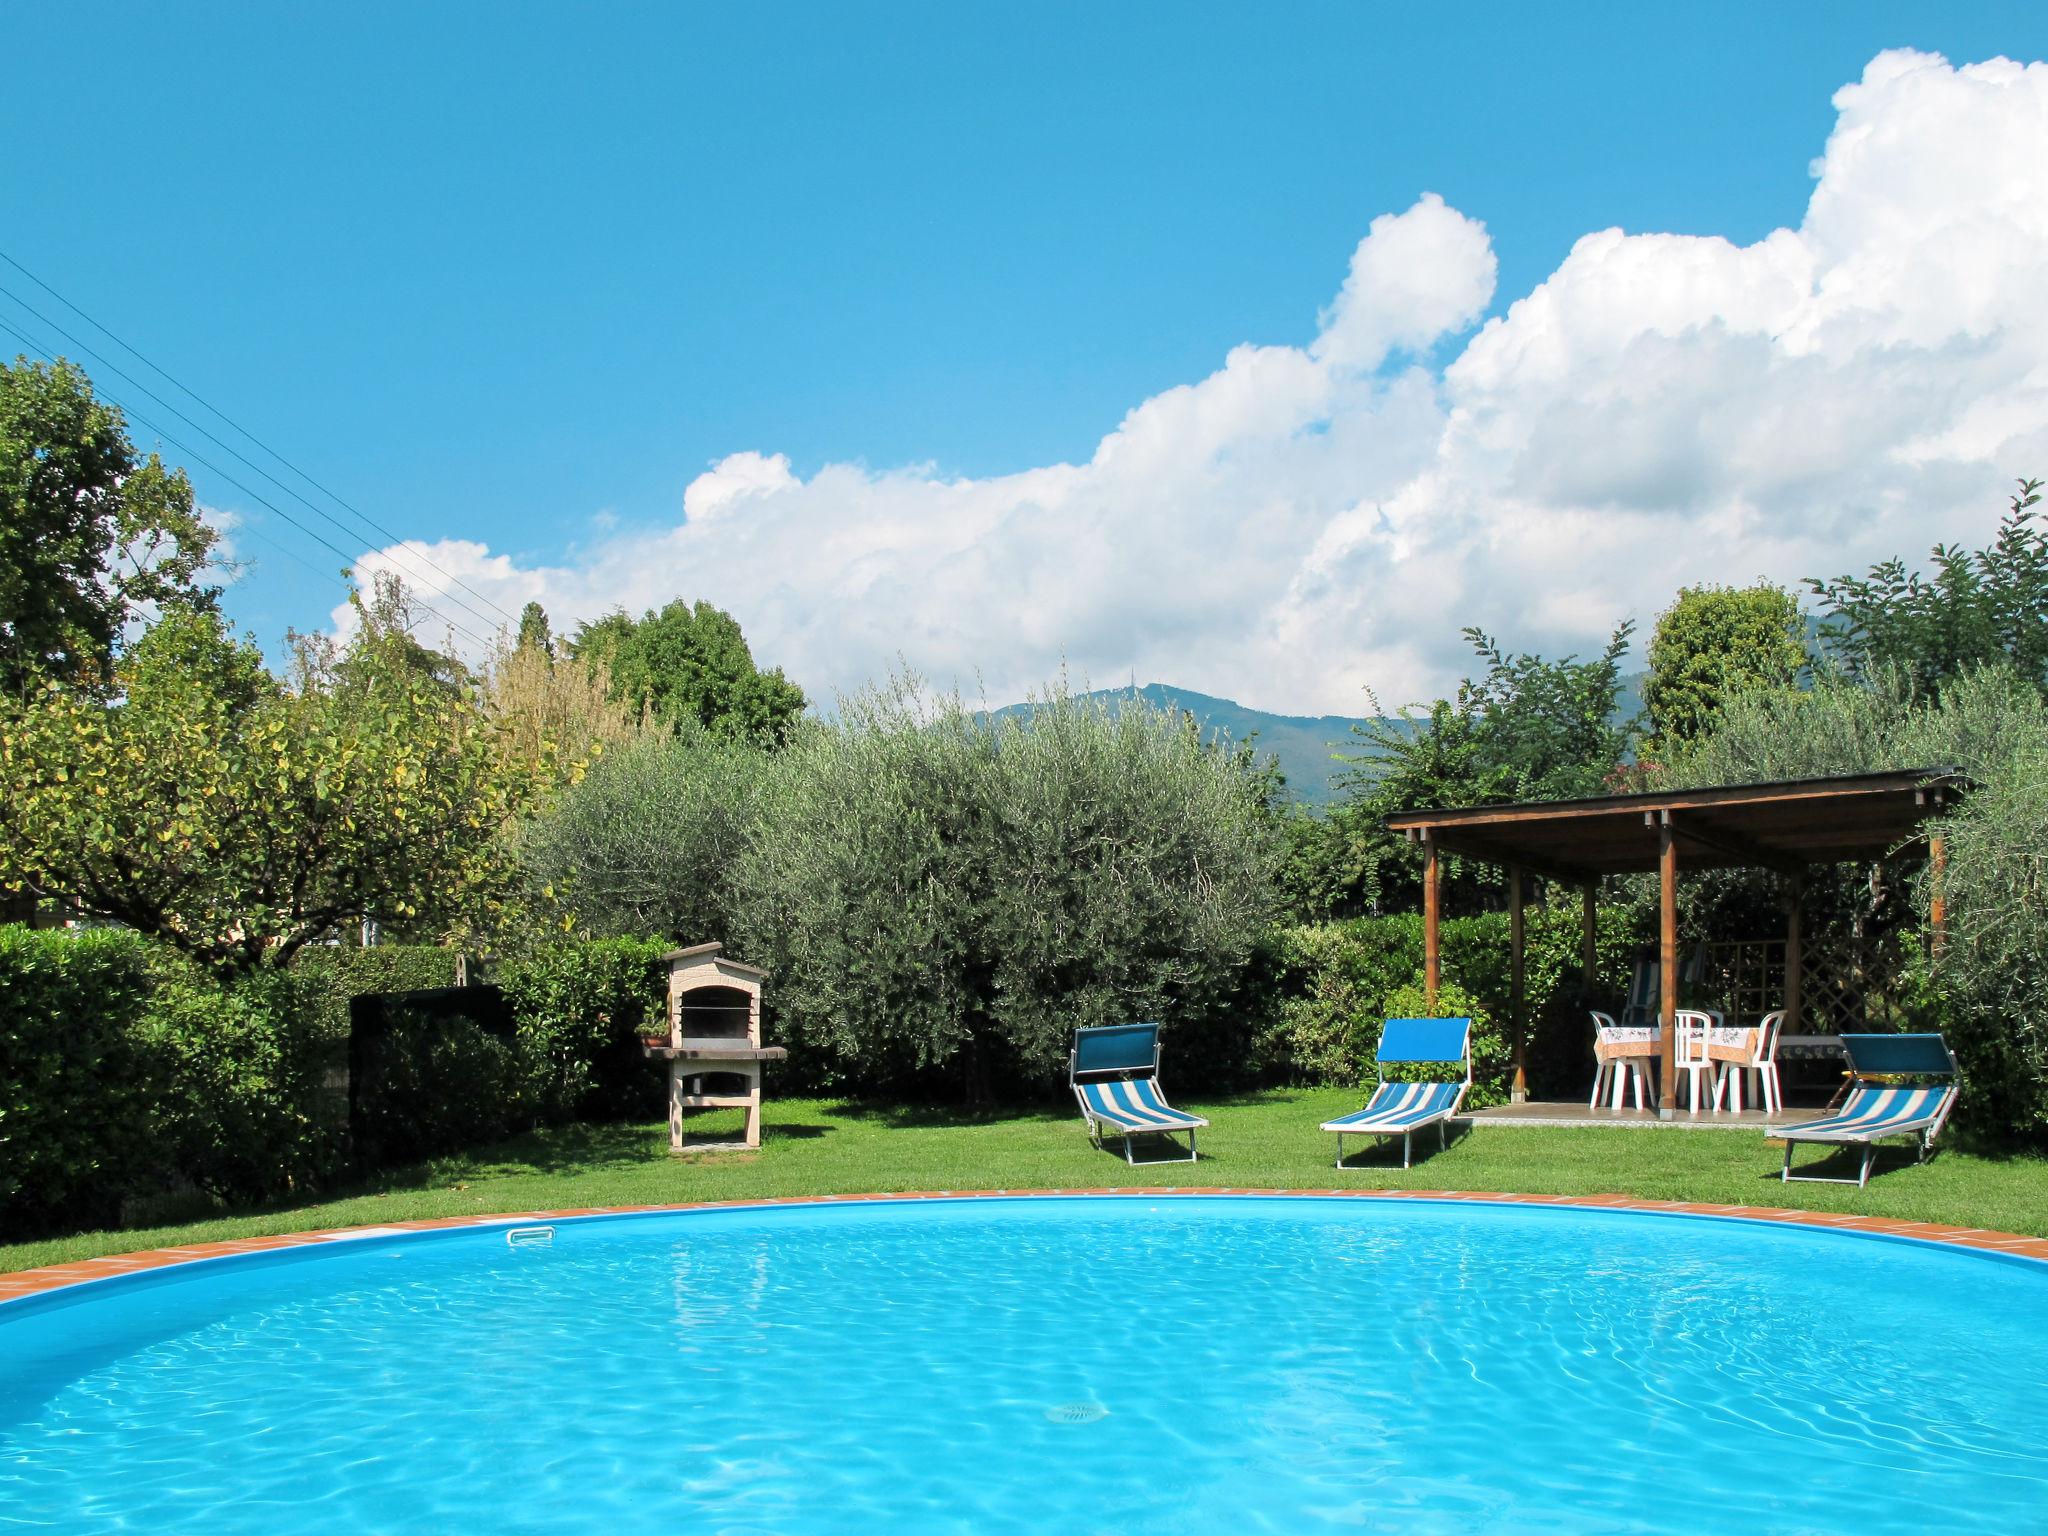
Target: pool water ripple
1261,1365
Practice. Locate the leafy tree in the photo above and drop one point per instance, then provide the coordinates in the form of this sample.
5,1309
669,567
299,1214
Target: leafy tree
1977,607
943,896
682,662
1526,729
650,838
534,633
1716,641
237,819
91,535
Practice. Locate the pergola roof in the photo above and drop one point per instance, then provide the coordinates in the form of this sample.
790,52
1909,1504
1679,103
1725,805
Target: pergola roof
1784,826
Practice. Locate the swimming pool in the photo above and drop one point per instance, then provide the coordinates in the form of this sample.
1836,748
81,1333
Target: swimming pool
1188,1364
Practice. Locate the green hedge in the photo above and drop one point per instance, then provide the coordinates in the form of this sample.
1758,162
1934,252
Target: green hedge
580,1008
76,1094
128,1075
1336,982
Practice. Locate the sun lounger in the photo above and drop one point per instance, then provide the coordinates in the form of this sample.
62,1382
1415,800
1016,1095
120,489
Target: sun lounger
1114,1072
1402,1109
1876,1106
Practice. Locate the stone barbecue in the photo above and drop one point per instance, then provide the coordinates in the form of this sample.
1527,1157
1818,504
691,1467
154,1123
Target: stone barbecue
714,1051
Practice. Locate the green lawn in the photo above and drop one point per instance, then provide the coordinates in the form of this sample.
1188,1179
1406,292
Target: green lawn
1258,1140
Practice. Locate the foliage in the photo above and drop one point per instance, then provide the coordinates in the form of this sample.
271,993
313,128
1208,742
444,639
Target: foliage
535,634
551,721
580,1009
1885,720
1329,863
245,1110
692,663
1991,724
1991,984
1713,642
438,1081
944,896
1525,729
238,820
91,535
1338,981
329,975
75,1094
1977,608
650,839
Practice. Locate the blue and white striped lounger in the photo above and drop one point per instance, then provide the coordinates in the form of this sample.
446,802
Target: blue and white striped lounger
1874,1110
1114,1072
1402,1109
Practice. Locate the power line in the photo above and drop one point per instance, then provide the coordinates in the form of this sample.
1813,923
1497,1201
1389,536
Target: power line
229,448
165,374
257,496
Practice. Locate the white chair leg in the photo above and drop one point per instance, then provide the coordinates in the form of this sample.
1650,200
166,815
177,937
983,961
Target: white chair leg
1600,1076
1774,1093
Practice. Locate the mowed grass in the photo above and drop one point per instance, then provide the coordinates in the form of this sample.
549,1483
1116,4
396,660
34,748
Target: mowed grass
1264,1140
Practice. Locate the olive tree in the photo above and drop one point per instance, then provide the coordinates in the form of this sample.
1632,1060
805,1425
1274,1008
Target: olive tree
945,895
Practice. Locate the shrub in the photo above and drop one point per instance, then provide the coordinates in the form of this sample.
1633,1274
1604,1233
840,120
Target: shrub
648,841
580,1008
1492,1059
1337,981
944,896
249,1103
436,1081
75,1091
1989,990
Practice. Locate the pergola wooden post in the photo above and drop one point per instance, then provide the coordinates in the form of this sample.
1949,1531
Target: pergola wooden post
1518,1092
1667,966
1432,970
1937,899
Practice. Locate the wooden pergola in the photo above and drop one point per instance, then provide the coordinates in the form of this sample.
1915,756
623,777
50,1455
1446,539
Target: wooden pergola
1786,827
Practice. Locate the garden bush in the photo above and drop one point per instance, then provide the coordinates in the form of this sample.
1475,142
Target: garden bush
1338,981
435,1080
248,1100
75,1091
944,896
580,1008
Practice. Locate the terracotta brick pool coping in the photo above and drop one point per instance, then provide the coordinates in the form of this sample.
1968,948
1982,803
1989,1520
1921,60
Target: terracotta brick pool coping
22,1284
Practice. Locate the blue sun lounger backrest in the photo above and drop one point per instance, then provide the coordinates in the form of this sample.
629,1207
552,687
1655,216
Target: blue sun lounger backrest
1408,1041
1115,1048
1925,1055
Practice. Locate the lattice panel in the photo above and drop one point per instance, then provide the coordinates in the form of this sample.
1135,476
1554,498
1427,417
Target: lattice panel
1845,981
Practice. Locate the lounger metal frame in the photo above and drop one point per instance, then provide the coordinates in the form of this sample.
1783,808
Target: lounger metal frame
1442,1117
1143,1064
1926,1127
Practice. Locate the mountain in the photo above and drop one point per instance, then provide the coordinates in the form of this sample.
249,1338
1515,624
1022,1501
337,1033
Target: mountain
1303,744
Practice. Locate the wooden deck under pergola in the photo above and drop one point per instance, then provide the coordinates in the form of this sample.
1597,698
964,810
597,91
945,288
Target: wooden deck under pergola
1786,826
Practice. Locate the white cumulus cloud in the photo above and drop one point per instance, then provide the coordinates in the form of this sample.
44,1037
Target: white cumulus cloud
1310,520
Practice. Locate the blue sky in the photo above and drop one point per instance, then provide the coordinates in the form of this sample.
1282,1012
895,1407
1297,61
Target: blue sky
506,274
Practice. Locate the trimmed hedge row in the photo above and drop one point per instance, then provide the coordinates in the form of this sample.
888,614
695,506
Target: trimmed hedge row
128,1076
1336,983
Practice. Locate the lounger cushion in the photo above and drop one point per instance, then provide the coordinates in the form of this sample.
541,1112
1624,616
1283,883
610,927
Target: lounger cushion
1871,1113
1135,1106
1400,1107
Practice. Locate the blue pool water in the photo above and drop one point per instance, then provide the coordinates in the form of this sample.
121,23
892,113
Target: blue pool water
1075,1366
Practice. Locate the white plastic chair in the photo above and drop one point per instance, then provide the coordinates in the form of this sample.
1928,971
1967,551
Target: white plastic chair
1617,1074
1762,1064
1689,1055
